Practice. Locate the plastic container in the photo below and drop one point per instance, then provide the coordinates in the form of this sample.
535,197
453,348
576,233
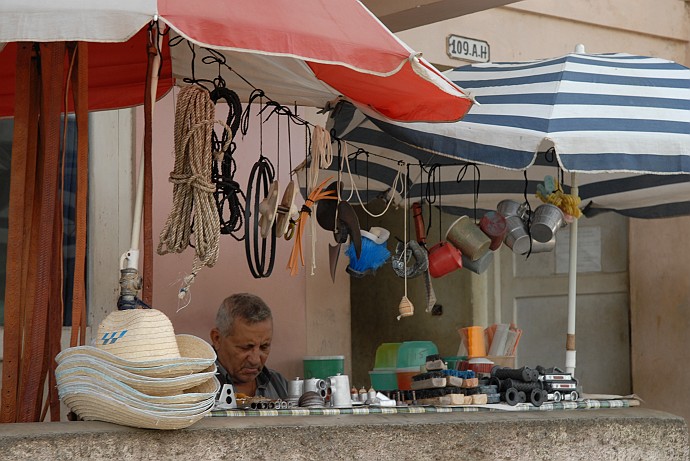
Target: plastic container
386,356
404,377
454,361
384,379
414,353
323,366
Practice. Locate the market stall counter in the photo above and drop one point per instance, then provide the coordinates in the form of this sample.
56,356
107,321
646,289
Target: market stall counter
618,433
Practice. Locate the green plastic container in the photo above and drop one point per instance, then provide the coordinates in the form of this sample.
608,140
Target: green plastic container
454,361
384,379
414,353
323,366
386,356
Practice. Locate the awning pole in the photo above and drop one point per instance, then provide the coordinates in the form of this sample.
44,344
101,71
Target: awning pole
570,352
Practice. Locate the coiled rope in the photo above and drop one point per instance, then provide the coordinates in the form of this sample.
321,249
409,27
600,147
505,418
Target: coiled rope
193,208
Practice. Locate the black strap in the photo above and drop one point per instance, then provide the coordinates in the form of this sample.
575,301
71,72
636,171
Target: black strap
260,180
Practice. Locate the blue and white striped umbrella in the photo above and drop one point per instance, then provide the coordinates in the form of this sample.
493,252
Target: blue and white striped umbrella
622,121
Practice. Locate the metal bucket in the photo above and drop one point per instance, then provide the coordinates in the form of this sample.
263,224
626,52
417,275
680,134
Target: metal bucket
508,208
468,238
517,238
546,220
480,265
543,247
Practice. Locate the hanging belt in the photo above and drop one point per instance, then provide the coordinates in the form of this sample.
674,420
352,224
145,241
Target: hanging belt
31,391
147,278
15,239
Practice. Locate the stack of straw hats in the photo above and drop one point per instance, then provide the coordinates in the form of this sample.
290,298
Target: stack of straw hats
139,373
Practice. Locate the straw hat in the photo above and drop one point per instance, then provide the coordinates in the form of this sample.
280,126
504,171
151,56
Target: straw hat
150,386
136,339
195,395
139,373
99,406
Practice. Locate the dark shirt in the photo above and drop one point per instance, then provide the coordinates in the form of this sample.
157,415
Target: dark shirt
269,383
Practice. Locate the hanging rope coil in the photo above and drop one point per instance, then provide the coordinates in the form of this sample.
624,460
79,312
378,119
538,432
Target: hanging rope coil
193,208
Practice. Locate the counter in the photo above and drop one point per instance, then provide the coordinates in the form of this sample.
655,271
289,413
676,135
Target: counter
614,433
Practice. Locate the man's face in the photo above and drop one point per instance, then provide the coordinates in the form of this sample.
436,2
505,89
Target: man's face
244,352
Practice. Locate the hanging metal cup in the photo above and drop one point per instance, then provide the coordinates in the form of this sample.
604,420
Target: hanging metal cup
508,208
546,221
517,238
543,247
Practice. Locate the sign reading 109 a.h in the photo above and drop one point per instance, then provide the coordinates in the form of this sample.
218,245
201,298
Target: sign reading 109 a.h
467,49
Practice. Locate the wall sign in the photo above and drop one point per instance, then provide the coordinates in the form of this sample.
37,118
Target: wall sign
467,49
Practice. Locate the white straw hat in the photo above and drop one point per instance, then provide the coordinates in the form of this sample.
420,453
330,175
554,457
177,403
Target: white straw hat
98,406
144,338
145,384
206,390
139,373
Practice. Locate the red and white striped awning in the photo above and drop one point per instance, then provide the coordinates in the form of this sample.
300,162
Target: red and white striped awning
304,52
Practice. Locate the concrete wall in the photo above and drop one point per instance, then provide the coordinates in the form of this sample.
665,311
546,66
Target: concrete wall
630,433
660,312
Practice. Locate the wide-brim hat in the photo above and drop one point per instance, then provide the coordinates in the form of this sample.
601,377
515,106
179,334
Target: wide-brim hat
147,385
145,339
100,406
192,396
178,408
196,355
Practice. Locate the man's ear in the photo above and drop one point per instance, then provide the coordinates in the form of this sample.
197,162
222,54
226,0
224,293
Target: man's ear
215,338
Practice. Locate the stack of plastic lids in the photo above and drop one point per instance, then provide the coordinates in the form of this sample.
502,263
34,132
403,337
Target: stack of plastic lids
139,373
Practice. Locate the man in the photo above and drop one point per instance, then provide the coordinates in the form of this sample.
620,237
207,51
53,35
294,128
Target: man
242,340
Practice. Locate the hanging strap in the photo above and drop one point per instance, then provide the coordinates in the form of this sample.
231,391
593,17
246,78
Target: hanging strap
15,261
31,391
80,85
147,288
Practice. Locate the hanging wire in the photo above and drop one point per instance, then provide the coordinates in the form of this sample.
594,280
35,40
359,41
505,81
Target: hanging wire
528,215
476,182
430,192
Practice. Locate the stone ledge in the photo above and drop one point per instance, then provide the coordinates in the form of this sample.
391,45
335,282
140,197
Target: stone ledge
630,433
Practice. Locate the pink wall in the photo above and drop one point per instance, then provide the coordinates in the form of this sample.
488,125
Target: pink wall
285,294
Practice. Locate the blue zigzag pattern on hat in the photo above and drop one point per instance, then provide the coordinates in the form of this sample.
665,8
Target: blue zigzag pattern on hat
110,338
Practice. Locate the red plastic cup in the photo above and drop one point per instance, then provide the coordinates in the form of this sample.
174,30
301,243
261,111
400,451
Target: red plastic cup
444,258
